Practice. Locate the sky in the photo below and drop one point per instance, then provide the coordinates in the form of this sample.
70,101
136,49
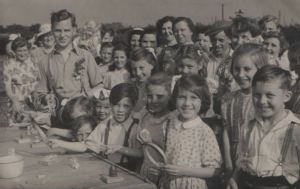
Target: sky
143,12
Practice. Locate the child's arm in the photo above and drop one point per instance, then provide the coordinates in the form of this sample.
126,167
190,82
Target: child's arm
226,148
72,146
66,133
132,152
205,172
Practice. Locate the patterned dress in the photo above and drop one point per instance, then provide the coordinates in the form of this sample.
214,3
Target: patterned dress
237,110
22,79
191,144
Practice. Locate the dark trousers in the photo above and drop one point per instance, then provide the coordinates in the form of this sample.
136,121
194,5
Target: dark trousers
248,181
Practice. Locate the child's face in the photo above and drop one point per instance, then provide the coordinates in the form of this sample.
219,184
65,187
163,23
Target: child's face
157,99
188,105
141,70
22,53
269,98
243,70
273,46
122,110
188,66
204,41
106,54
83,132
103,109
120,59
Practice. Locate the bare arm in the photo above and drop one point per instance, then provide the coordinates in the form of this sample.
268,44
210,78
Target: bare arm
72,146
226,148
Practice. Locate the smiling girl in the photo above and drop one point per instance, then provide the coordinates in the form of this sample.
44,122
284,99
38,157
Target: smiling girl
118,71
237,107
192,150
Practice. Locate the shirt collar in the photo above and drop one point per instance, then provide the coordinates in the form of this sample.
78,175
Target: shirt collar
126,124
282,123
75,49
189,124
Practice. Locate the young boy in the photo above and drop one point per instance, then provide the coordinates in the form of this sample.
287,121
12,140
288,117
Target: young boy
269,148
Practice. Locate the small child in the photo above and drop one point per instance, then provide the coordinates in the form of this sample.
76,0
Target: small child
192,150
118,71
269,149
117,137
142,64
102,104
158,95
236,107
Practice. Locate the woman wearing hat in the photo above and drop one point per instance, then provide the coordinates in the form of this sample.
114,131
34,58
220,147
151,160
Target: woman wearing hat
46,40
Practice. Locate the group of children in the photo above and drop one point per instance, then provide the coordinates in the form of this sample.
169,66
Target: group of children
255,125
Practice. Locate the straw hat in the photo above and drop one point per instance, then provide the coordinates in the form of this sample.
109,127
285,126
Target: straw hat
44,29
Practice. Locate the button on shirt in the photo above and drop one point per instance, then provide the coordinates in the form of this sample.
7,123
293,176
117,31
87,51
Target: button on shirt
66,78
261,153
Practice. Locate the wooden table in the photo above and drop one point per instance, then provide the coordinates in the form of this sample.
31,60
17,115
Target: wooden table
61,175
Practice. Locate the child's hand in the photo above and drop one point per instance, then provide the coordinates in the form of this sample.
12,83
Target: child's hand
173,170
113,148
54,143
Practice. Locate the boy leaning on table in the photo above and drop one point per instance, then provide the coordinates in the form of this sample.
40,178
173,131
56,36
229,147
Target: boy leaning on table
269,150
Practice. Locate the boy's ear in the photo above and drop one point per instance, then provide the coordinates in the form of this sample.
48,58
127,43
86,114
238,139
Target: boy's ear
288,95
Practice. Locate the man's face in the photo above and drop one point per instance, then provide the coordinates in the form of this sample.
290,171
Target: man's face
63,33
244,37
221,43
183,33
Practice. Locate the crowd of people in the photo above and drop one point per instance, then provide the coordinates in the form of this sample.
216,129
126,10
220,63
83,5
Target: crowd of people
220,102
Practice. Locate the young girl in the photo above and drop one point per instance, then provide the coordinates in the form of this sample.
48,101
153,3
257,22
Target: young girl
158,95
117,137
192,150
237,107
102,104
118,71
142,64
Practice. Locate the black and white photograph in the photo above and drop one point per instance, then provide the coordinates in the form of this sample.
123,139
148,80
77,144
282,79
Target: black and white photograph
149,94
